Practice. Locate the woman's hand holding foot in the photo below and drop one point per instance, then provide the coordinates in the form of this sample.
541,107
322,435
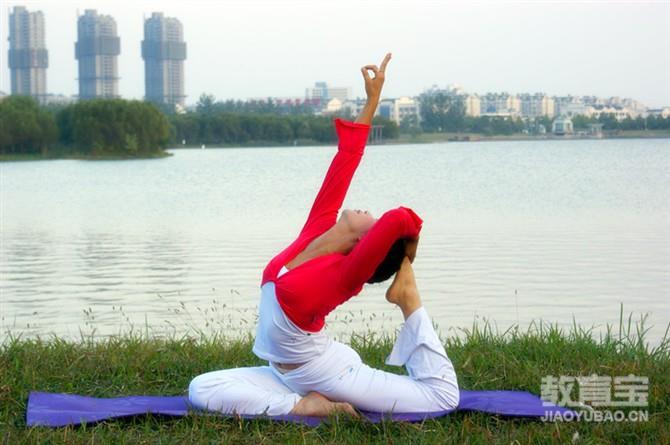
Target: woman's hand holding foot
410,248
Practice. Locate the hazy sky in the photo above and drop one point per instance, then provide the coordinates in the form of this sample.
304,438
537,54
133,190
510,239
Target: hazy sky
241,49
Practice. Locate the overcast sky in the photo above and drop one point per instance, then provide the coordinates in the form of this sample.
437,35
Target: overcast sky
250,48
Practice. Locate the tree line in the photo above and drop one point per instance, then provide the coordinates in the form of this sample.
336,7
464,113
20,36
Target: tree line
258,122
100,127
127,128
609,122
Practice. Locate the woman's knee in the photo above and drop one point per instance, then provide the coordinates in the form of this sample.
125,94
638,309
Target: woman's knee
446,392
196,392
204,390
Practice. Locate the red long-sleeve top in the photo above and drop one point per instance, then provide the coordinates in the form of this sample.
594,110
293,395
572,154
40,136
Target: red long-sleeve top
311,290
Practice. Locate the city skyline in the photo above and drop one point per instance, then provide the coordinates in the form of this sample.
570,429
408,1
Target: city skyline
266,50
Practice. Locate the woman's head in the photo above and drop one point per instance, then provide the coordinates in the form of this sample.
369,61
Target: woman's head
357,221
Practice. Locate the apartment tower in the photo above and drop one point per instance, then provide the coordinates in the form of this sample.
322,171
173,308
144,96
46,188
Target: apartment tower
164,52
28,56
97,49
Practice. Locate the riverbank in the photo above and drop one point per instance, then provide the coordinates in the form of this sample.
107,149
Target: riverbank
430,138
484,359
78,156
422,138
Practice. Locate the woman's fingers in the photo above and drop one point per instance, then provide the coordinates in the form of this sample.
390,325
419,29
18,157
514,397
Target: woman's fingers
385,62
366,75
372,68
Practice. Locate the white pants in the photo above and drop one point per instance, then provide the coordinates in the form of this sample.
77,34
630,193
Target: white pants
340,375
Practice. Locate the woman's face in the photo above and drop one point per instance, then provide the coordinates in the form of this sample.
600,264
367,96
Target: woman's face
358,221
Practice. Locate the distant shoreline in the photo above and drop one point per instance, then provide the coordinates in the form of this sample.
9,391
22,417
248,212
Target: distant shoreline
422,138
78,157
427,138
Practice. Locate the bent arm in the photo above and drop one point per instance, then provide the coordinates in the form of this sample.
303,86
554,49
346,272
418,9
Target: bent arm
363,260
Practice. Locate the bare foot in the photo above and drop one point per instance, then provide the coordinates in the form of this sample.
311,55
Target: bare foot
403,290
403,283
315,404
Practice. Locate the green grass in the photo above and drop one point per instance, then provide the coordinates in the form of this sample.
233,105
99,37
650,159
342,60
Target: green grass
484,359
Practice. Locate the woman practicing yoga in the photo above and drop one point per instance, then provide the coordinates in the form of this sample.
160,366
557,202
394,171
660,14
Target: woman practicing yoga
308,373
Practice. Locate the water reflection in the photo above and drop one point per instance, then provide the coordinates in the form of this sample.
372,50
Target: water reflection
513,233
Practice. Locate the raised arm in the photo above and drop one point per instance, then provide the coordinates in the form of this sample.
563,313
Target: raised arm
352,137
362,261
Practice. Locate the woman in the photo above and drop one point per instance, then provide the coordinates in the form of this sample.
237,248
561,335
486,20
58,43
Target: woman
308,373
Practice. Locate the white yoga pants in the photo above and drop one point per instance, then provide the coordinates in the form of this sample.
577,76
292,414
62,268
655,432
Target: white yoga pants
340,375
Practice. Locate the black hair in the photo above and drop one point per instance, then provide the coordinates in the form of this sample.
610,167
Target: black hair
391,263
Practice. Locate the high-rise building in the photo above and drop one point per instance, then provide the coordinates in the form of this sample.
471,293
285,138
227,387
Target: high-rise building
97,50
164,52
28,56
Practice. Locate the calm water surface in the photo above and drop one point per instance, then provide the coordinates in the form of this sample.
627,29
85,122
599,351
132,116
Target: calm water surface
513,232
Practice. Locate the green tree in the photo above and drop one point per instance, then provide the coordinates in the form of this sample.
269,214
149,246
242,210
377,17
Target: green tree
115,126
205,104
26,128
441,111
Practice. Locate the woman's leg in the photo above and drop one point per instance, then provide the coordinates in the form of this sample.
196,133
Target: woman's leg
430,386
255,390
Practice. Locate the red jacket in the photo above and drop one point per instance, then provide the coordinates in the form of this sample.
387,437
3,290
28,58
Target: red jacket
311,290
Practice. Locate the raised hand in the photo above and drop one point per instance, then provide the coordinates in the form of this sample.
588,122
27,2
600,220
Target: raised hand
373,89
373,85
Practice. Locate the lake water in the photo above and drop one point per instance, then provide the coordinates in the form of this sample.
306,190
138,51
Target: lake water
513,232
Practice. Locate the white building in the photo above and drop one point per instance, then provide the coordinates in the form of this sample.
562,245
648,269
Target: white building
354,107
333,106
592,106
536,105
570,109
659,112
324,93
399,109
562,126
618,112
473,105
500,105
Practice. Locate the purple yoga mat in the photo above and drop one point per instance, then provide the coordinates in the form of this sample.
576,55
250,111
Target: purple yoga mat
51,409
